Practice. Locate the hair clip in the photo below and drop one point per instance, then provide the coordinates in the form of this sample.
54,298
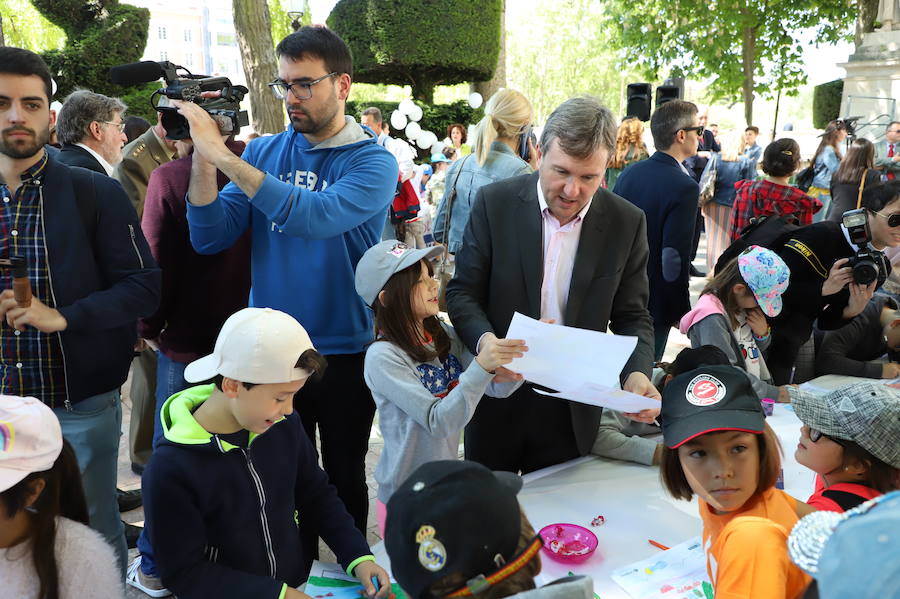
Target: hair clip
787,152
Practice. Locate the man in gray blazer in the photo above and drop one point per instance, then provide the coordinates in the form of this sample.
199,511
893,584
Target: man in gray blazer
887,152
553,245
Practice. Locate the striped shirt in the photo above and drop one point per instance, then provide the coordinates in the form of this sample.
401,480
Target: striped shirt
31,362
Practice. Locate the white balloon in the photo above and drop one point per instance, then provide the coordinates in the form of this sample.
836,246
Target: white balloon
438,147
398,120
416,113
406,106
426,139
412,130
475,100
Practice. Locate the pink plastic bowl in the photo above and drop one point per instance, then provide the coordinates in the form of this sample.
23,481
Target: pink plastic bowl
568,542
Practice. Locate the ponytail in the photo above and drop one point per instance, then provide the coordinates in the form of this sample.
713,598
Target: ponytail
506,115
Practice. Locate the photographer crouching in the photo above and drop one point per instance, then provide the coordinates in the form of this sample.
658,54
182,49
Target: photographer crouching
835,270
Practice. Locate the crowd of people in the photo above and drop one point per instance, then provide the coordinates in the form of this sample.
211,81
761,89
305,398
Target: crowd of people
269,297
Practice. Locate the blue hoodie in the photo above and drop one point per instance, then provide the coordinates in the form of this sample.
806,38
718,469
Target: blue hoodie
318,210
224,520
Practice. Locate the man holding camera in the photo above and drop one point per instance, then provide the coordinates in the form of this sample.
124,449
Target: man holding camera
825,285
315,198
92,276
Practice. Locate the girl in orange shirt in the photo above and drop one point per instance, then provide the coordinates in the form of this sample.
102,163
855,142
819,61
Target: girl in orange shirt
719,447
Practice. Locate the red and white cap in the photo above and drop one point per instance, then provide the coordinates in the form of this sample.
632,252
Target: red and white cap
255,345
30,439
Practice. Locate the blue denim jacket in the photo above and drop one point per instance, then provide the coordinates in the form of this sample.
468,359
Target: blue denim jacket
501,164
827,164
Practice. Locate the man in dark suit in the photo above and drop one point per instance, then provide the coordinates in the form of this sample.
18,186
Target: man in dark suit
665,191
553,245
90,129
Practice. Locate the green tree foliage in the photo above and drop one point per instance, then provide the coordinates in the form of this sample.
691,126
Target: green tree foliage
435,117
25,27
742,47
421,43
99,34
827,103
548,70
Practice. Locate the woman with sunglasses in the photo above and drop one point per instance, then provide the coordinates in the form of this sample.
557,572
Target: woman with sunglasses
822,289
849,438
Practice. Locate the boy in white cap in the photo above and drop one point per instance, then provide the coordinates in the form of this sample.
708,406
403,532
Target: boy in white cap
235,473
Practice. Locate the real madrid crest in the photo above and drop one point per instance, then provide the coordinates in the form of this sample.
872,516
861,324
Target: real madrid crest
432,554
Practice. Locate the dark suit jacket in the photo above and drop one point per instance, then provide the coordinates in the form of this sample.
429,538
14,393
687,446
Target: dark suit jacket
75,156
668,197
500,265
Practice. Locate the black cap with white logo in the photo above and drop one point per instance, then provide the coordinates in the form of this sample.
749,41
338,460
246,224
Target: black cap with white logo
709,399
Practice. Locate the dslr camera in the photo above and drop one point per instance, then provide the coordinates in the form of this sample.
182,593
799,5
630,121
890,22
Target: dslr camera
224,108
868,264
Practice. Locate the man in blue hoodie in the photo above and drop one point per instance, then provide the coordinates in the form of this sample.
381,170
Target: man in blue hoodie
315,198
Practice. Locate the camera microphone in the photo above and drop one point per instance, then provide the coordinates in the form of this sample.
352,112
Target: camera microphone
140,72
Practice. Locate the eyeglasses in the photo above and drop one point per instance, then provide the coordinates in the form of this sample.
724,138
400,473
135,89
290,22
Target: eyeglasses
302,90
893,220
698,130
119,126
815,435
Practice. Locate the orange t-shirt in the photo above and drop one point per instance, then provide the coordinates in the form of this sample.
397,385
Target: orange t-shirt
746,551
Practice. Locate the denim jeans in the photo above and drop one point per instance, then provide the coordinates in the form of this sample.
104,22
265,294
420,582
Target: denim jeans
93,427
169,381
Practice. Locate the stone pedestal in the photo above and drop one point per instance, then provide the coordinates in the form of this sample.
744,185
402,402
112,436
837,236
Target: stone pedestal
873,81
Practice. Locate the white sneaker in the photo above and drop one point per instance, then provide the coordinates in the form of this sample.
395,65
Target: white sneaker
149,585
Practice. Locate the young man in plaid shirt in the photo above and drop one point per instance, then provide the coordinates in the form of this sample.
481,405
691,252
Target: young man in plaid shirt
91,274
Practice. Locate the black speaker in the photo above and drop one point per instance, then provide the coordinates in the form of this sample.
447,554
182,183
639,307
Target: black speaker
638,105
667,93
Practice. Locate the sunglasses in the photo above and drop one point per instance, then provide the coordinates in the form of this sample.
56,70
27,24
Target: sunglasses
893,220
815,435
698,130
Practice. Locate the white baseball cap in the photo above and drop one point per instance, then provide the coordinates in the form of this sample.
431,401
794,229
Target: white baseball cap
256,345
30,439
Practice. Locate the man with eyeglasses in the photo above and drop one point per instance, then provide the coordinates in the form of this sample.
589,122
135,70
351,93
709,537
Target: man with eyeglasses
90,128
315,198
887,153
667,193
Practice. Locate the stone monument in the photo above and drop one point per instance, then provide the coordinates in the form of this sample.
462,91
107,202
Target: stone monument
872,84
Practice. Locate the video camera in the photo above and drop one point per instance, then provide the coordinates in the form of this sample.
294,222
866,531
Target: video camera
189,88
868,264
848,124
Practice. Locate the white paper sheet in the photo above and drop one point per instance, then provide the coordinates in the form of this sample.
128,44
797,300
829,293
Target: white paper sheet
677,572
563,357
614,399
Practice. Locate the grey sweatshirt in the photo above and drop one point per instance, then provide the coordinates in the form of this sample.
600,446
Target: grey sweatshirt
570,587
418,425
620,438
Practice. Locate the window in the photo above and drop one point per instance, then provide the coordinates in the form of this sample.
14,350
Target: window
189,59
164,56
188,35
161,32
225,39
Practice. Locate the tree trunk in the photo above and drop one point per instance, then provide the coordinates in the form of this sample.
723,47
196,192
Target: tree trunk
498,81
2,39
423,90
748,61
865,18
254,35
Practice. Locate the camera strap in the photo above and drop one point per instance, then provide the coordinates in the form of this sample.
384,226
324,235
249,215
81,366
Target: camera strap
862,186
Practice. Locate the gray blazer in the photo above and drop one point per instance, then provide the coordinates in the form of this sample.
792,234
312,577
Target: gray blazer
882,162
499,268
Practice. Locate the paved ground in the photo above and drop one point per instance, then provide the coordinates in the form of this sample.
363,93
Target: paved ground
128,480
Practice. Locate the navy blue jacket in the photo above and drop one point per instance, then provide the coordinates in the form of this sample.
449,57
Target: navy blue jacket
224,520
668,196
102,275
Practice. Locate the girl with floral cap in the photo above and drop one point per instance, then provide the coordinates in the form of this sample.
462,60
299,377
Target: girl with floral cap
731,314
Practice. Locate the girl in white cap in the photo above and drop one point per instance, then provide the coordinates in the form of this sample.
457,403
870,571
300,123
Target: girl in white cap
415,369
46,549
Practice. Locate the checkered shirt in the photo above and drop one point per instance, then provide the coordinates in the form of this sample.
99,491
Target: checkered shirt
31,362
